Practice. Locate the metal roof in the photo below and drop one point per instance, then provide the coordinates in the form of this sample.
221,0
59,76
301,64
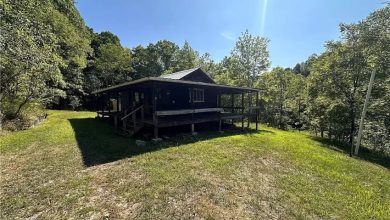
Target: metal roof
180,74
168,80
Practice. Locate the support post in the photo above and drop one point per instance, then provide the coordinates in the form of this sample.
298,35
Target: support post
232,100
219,100
155,132
109,104
242,111
192,107
124,122
155,117
104,103
117,102
142,115
155,124
193,129
250,110
134,118
257,110
220,126
116,121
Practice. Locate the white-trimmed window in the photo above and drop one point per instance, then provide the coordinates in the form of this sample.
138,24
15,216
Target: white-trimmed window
197,95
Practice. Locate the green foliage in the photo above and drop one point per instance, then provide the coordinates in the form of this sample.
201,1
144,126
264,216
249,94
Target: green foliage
339,79
248,59
303,68
29,60
155,59
283,98
184,58
326,92
44,48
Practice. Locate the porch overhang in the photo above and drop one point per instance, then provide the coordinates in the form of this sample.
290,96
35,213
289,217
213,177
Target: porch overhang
152,80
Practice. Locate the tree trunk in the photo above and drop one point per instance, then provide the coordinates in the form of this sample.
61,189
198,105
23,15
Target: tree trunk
280,115
16,114
1,120
352,123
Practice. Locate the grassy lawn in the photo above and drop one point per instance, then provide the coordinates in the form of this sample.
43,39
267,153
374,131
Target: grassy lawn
73,166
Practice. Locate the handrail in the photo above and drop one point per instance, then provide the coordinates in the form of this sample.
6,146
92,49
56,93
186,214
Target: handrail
254,107
132,112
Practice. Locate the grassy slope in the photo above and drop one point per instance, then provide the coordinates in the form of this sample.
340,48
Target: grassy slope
74,166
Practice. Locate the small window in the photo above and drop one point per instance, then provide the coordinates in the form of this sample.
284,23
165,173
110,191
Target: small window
198,95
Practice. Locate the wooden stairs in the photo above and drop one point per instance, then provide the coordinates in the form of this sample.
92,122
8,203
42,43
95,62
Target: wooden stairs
129,123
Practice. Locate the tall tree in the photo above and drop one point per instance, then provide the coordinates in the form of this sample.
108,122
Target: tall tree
341,74
283,98
251,58
154,59
29,62
184,58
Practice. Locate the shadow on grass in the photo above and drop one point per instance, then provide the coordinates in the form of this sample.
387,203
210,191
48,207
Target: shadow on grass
364,153
99,143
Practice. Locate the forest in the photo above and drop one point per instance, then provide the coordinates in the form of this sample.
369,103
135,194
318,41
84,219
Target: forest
50,59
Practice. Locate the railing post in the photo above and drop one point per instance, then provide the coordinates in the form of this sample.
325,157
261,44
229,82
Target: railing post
155,124
134,119
242,111
142,115
257,110
116,121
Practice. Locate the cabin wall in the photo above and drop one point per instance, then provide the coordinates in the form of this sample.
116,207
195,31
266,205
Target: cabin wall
169,97
178,97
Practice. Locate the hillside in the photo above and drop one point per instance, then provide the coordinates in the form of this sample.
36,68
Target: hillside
73,166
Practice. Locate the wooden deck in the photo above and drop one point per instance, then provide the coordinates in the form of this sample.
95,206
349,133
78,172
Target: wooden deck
176,120
131,122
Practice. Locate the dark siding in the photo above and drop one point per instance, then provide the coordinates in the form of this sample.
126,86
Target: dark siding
177,97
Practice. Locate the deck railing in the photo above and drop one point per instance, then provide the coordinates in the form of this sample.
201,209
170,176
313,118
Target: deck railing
133,115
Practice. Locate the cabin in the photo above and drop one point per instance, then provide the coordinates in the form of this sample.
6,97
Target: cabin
188,97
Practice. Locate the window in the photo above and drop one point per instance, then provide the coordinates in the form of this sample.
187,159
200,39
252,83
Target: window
197,95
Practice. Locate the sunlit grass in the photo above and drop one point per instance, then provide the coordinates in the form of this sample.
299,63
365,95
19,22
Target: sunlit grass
73,166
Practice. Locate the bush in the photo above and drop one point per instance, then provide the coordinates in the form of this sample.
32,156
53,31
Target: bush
32,114
377,137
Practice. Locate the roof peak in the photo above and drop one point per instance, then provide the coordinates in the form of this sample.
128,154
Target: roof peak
188,75
187,71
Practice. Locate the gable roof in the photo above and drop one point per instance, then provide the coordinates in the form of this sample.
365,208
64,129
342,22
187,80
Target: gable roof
185,75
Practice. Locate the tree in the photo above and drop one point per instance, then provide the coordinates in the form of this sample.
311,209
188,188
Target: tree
283,98
341,75
155,59
29,62
184,58
102,38
251,58
111,66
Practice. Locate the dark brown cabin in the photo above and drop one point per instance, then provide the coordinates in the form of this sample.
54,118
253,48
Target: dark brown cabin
187,97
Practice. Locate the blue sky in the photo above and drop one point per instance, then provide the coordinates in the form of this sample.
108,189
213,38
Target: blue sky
296,28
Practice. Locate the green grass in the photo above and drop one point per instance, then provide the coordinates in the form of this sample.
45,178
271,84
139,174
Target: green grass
73,166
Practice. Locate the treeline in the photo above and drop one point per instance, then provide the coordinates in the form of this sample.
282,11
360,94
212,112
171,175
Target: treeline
51,59
326,93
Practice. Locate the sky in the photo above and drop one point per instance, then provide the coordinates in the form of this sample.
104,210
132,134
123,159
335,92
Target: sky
296,28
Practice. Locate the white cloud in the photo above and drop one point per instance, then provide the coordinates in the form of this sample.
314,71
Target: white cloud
227,35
